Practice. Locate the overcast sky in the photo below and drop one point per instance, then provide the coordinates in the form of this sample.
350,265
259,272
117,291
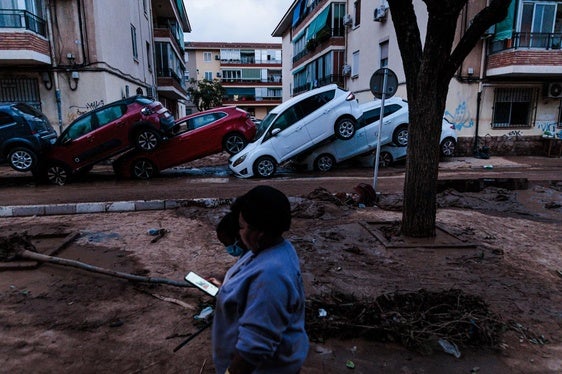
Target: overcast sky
250,21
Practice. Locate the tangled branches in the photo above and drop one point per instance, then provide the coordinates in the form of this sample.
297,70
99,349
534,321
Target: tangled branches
416,320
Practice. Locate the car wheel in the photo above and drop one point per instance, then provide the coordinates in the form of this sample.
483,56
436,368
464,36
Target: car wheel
400,136
143,169
447,147
22,159
385,159
58,174
324,162
234,143
264,167
345,128
147,140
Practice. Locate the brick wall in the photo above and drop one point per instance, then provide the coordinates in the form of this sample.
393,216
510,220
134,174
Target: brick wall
503,145
24,41
525,57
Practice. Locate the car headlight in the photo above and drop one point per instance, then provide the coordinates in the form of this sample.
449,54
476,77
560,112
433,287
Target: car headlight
239,160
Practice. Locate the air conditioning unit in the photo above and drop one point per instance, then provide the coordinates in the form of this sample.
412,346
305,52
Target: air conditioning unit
217,57
555,90
380,14
218,74
347,21
346,70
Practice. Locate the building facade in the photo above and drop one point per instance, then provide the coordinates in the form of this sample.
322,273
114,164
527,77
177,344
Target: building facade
505,96
68,57
249,72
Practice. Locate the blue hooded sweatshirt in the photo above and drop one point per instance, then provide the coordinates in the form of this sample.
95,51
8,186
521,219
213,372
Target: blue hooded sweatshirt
260,312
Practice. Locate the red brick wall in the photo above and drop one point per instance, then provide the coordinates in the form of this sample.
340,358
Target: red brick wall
525,57
24,41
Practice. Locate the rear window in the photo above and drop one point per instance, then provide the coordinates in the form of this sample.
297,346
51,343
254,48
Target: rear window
29,110
144,100
310,104
373,115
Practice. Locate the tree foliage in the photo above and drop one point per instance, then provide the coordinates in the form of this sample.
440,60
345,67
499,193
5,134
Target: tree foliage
206,94
429,68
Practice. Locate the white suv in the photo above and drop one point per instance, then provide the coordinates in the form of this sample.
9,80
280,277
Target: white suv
296,126
395,125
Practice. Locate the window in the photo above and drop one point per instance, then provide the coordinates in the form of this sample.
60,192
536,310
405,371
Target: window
148,57
208,75
357,6
144,7
315,102
207,56
200,121
383,47
513,107
134,41
355,64
538,21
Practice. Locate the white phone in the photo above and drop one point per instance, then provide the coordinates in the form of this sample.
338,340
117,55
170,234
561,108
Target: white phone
201,283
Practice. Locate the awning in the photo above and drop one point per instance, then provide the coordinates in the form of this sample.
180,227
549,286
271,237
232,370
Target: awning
297,13
504,29
317,24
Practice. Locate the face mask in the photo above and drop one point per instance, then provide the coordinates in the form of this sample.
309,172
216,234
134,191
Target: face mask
234,249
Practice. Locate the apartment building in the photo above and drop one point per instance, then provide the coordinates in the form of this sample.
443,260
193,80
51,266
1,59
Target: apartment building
69,57
505,95
249,72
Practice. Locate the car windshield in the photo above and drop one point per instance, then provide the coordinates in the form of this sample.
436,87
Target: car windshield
264,125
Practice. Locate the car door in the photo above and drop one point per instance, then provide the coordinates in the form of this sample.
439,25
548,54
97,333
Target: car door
202,137
287,135
87,140
317,115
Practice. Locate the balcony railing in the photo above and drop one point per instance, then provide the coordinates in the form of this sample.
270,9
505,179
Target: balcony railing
520,40
250,98
248,61
170,73
250,80
334,78
22,19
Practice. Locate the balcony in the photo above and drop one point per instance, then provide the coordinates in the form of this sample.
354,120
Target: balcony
334,78
251,100
170,85
526,54
23,39
324,39
270,81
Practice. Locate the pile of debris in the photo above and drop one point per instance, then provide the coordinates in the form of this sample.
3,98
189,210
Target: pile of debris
421,321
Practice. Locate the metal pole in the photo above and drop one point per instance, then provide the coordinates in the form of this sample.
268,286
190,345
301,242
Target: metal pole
380,131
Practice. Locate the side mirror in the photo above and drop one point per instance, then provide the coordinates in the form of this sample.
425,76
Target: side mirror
275,131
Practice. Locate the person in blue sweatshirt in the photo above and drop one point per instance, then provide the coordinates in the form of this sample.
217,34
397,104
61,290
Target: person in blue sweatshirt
259,320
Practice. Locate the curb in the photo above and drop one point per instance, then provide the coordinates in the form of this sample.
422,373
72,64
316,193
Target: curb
111,207
106,207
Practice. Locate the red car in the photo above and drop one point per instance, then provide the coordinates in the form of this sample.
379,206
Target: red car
135,122
200,134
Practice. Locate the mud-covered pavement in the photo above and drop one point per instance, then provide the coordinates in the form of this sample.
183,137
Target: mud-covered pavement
506,251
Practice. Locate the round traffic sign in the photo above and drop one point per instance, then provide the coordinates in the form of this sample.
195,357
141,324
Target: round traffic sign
379,86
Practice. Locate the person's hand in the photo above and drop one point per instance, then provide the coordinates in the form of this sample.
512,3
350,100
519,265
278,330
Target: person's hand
215,281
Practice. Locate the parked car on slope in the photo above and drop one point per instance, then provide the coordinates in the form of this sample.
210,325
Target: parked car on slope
324,158
201,134
136,121
25,133
298,125
392,153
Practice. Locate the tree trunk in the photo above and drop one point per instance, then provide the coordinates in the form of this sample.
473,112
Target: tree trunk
422,165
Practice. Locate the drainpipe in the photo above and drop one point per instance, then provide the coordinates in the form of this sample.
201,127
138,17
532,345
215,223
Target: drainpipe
54,64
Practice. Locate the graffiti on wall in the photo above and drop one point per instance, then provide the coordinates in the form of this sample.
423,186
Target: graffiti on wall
461,117
504,144
76,111
546,126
